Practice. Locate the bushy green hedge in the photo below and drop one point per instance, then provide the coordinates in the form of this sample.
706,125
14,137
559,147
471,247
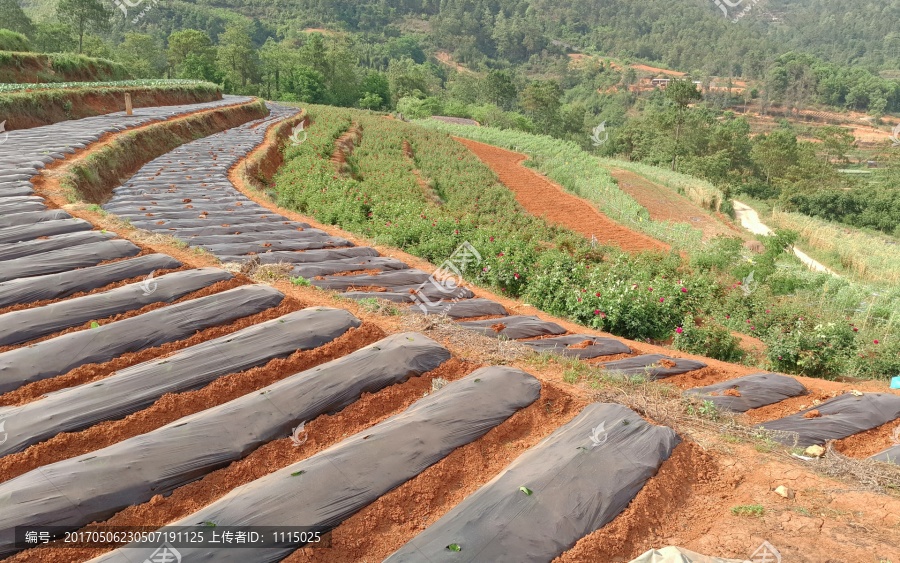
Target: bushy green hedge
56,67
12,41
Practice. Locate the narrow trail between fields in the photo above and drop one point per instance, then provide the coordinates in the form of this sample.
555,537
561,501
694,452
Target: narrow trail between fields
543,198
749,219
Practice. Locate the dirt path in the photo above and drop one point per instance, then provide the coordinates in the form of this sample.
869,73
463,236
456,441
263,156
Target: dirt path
666,205
543,198
749,219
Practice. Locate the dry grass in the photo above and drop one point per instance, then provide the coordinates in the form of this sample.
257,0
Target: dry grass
870,257
477,348
664,404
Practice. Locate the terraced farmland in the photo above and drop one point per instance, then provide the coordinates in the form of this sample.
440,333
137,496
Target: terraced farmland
172,391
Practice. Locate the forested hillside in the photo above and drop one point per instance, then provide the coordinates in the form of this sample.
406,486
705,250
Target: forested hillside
785,95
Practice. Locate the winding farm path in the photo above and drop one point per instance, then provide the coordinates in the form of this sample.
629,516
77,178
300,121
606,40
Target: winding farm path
750,220
543,198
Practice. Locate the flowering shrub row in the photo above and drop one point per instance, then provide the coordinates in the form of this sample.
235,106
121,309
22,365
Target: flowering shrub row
807,320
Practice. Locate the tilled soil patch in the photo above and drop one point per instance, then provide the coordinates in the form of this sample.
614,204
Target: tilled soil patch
542,198
666,205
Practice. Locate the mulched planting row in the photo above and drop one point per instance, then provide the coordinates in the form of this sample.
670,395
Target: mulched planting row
467,308
330,486
137,387
57,356
57,261
750,392
13,251
191,447
836,418
514,328
22,326
332,267
64,284
31,218
19,233
551,496
580,346
308,257
651,366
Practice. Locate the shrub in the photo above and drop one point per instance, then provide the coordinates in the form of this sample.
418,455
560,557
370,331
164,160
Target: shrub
710,339
816,350
12,41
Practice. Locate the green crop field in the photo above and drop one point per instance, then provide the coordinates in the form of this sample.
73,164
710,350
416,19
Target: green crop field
812,324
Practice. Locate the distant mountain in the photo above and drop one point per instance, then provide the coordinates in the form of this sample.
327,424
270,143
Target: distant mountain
692,35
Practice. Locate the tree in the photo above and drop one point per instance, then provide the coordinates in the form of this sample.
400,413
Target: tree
541,102
309,85
775,152
83,15
376,91
499,89
142,55
237,57
682,93
343,77
407,79
53,38
14,19
191,54
836,142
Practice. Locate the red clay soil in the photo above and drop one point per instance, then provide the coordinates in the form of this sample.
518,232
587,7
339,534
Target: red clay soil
689,504
666,205
344,145
427,190
94,372
385,525
870,442
218,287
543,198
323,432
173,406
110,287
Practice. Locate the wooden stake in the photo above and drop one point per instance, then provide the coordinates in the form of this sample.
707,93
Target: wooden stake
128,109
